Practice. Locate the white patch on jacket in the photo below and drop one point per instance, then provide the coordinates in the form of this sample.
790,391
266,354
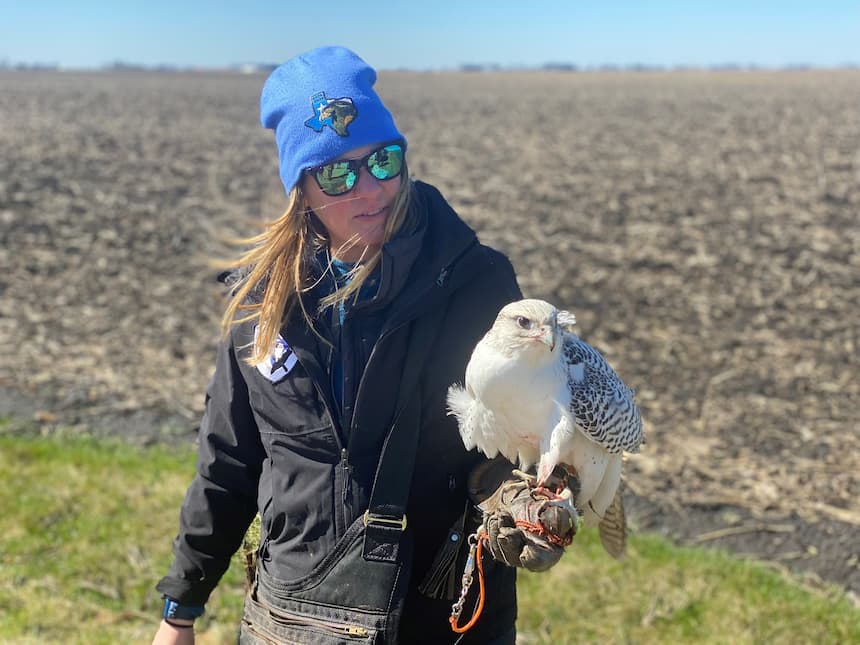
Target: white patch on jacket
279,362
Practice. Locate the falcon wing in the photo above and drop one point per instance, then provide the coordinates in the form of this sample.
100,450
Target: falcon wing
601,402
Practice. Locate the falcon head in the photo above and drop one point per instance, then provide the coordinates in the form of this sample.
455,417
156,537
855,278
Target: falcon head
528,327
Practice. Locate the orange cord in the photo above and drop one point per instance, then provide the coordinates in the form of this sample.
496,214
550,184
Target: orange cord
539,529
482,538
480,608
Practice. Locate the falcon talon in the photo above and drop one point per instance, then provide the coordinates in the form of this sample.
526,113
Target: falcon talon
529,479
540,491
565,494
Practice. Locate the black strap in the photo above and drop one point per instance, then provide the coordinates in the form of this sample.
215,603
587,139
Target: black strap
386,516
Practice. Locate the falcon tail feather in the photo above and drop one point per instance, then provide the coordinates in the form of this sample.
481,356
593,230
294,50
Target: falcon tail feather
613,528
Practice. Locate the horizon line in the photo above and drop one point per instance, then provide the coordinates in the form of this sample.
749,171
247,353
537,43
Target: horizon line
251,68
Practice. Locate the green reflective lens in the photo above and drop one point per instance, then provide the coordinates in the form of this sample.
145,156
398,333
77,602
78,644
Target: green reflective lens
386,162
339,177
335,178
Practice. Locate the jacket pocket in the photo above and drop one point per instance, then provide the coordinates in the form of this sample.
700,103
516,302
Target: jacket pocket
290,406
265,625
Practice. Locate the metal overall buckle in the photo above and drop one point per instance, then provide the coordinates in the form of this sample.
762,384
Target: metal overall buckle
383,520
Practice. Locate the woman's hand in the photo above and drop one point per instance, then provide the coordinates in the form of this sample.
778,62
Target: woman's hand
527,526
170,635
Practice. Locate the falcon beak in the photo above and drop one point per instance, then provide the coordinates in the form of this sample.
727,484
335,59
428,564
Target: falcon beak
547,336
549,332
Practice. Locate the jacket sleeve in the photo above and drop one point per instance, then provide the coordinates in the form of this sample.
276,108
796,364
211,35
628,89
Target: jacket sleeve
222,498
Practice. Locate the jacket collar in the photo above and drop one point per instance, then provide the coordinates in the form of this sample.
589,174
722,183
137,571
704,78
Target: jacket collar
422,258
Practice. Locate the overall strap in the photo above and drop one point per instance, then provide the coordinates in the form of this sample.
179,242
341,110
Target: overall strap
385,519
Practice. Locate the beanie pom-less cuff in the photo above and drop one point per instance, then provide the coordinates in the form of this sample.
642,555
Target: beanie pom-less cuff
321,105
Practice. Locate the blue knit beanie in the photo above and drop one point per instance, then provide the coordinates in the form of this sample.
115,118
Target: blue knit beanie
321,104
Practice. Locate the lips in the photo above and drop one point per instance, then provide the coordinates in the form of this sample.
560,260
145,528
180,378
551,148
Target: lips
375,213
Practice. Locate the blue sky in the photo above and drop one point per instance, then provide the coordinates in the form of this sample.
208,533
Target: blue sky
432,35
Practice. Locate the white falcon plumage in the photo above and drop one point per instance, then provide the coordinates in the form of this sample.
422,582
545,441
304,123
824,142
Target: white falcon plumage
537,394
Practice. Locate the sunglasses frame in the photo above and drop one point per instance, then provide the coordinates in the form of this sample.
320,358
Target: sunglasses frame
355,166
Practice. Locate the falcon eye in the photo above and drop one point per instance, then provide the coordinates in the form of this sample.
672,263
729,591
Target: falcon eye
524,322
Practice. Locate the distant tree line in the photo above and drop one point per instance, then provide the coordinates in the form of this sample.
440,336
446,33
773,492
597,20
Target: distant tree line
260,68
643,67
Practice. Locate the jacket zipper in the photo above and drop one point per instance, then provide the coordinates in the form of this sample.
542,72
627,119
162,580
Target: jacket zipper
347,479
340,514
286,619
343,466
328,625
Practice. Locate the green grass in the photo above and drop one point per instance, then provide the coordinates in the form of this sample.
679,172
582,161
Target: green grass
87,527
664,594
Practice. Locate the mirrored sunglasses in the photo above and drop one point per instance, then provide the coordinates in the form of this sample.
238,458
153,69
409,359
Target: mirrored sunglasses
339,177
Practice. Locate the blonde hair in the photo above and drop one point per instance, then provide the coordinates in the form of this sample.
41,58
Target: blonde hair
279,261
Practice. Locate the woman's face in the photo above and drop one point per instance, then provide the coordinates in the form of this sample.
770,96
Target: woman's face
355,220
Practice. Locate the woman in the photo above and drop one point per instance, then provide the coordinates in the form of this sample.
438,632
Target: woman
349,318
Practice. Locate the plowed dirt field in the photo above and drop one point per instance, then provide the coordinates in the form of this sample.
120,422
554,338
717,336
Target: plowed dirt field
704,227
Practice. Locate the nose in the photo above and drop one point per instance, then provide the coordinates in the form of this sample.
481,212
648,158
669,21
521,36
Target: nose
366,183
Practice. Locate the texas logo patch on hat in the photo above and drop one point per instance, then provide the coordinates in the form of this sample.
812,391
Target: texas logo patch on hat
334,113
279,362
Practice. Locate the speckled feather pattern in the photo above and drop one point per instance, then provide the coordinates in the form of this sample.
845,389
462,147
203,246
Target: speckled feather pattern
601,403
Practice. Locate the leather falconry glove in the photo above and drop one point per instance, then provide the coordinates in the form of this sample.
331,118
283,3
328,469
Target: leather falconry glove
527,526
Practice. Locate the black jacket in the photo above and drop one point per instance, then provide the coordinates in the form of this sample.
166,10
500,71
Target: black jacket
283,449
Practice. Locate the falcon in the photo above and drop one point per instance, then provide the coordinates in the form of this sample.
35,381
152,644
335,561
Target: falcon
538,394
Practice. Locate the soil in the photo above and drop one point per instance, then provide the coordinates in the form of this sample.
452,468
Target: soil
703,227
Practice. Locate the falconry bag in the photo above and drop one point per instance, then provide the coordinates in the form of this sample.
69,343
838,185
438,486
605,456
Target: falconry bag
356,594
